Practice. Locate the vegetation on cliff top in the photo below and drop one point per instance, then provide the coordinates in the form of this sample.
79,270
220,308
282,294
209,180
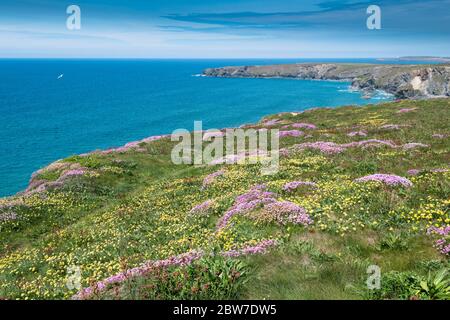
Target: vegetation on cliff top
357,186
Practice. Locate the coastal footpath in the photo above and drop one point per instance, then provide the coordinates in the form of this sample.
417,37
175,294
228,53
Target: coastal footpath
403,81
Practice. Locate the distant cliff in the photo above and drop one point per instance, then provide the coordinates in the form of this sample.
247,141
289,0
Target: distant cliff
403,81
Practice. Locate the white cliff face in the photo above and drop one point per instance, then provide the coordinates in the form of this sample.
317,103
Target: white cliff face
403,81
418,84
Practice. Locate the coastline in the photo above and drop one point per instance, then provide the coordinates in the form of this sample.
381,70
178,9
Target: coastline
403,81
138,146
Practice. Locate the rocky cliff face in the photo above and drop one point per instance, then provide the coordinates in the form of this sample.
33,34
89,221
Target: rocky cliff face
403,81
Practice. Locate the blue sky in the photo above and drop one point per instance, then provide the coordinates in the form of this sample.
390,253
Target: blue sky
224,29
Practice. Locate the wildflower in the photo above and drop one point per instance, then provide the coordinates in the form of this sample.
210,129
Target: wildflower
443,243
361,133
210,178
290,186
250,200
291,133
300,125
325,147
389,179
259,248
286,211
413,172
8,216
202,208
75,172
271,122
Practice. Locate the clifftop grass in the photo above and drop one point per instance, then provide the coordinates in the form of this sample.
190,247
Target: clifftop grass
106,213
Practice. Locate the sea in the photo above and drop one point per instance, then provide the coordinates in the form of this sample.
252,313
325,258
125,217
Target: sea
53,108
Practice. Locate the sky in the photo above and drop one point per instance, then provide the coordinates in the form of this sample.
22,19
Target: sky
224,29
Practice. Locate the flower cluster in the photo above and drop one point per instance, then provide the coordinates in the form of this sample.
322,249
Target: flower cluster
291,186
271,122
389,179
322,146
202,208
134,145
300,125
256,197
333,148
210,178
283,212
259,248
443,243
290,133
8,216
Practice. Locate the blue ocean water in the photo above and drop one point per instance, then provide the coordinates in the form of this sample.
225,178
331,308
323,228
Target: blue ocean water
104,103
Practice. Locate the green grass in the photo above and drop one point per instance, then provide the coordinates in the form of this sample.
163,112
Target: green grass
135,206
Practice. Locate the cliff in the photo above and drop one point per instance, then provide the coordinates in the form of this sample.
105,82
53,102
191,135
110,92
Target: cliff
403,81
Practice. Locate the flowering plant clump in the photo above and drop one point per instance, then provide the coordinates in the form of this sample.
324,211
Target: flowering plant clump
322,146
290,133
300,126
333,148
259,248
75,172
443,243
370,142
8,216
413,172
286,211
283,212
389,179
271,122
202,208
210,178
291,186
248,201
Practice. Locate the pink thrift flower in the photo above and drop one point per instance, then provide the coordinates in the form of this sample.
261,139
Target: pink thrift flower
290,133
291,186
388,179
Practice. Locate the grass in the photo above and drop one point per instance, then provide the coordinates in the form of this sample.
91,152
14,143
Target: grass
134,207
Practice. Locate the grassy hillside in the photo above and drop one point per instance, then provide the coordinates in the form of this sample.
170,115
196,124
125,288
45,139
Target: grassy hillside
154,230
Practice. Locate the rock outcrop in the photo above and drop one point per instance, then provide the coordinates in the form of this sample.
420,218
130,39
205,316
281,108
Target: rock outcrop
403,81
